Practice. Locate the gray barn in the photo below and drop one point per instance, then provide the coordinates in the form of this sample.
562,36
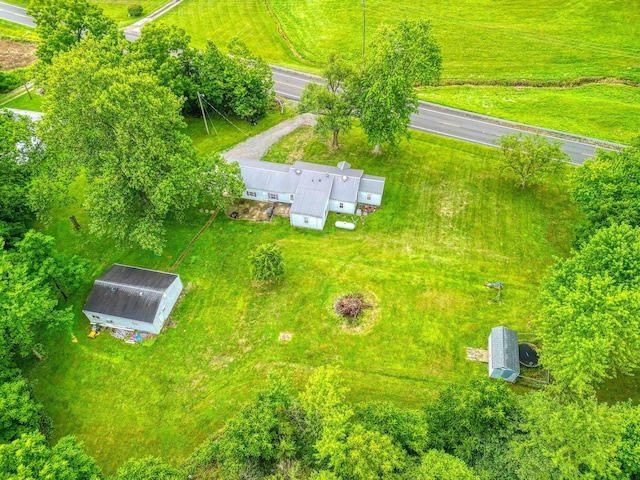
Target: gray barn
133,298
312,190
504,359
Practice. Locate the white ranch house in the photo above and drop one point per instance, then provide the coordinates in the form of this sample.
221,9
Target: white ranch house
312,190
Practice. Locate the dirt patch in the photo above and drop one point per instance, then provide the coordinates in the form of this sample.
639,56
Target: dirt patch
16,54
257,211
368,318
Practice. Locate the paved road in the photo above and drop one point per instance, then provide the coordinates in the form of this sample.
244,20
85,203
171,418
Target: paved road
431,118
450,122
14,14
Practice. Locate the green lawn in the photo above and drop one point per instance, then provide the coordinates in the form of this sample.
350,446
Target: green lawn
13,31
481,39
117,9
23,102
609,112
448,224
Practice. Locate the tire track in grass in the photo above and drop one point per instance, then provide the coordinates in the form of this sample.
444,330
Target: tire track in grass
283,35
194,240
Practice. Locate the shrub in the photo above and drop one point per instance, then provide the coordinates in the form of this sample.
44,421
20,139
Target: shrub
135,10
267,263
9,81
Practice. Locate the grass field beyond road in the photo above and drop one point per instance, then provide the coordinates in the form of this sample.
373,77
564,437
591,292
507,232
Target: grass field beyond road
448,223
480,39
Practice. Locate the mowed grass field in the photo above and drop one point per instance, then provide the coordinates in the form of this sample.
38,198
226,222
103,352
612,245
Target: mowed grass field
608,112
481,39
448,223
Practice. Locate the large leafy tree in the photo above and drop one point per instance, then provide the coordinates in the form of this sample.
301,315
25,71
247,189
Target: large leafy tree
464,419
574,440
115,124
17,146
606,190
398,58
30,457
28,304
19,412
60,24
527,158
437,465
165,49
330,102
590,318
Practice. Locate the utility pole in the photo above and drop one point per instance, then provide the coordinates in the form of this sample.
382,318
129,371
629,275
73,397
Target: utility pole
364,27
204,117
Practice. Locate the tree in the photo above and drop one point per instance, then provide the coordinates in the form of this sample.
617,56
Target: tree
30,457
407,428
248,82
28,307
464,418
60,24
165,49
331,104
148,468
567,440
267,263
37,251
124,132
590,317
398,58
437,465
529,157
16,148
19,412
606,190
628,454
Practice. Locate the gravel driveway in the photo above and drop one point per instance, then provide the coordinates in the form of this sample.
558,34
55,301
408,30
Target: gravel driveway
255,147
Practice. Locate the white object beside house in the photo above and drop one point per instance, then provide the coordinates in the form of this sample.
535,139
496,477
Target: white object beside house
133,298
312,190
504,356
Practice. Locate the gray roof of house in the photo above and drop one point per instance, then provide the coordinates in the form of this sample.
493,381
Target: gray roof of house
503,351
316,167
312,194
269,176
129,292
372,184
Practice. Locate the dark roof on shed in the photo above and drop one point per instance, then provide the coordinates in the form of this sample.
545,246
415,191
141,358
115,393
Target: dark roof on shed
503,351
129,292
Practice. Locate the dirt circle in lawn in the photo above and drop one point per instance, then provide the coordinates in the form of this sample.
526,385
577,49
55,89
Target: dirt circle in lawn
364,322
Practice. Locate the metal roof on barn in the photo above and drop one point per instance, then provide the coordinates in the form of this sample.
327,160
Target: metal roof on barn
129,292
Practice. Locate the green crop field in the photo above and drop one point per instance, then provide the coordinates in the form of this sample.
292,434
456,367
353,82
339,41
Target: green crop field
448,223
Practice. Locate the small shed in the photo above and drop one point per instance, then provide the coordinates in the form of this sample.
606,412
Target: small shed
133,298
504,360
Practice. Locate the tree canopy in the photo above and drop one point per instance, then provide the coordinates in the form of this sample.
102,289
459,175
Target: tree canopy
590,317
606,190
123,131
61,24
528,157
331,102
397,59
17,147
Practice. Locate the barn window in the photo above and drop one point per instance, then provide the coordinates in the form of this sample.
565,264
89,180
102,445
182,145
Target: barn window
251,194
306,219
273,196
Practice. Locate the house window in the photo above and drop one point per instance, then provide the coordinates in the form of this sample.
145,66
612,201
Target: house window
251,194
368,196
291,197
273,196
96,317
341,205
306,219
